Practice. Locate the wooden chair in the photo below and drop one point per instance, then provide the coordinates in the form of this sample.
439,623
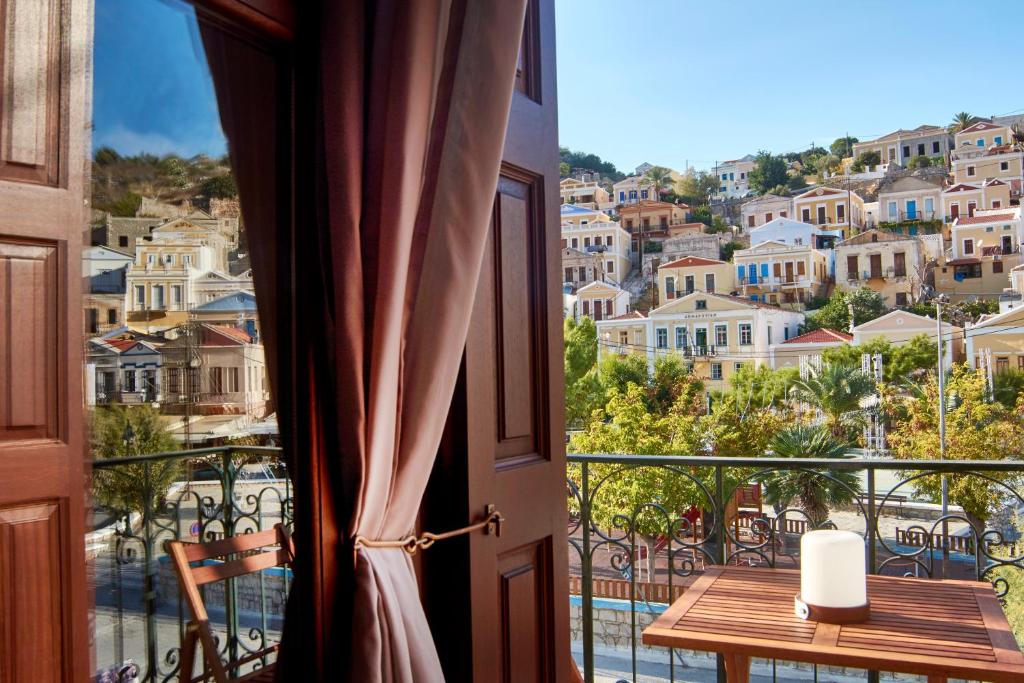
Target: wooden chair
244,554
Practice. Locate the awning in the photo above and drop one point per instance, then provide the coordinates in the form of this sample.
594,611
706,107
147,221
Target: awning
205,427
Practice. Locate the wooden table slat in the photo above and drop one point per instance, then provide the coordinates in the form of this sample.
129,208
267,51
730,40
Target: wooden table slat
918,626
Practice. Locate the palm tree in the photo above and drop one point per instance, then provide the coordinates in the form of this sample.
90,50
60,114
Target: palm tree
837,391
660,178
813,491
962,120
1017,136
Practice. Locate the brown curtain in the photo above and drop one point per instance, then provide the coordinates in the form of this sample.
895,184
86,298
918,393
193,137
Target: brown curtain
411,106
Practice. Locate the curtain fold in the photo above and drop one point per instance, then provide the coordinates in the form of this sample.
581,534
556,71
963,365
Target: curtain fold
412,105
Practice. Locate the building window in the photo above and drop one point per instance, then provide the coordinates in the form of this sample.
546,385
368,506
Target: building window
661,334
638,337
822,219
906,151
187,259
782,214
610,266
140,296
929,206
622,196
623,337
768,217
233,386
122,241
568,274
746,334
1002,364
575,243
996,204
1004,165
935,147
722,335
586,307
901,298
216,380
997,266
176,297
805,215
998,140
92,320
670,288
129,380
980,142
920,149
150,259
750,221
643,194
893,212
632,194
841,213
586,242
741,270
709,282
680,337
899,264
689,284
158,297
111,316
597,240
581,273
970,170
716,371
608,310
701,305
968,246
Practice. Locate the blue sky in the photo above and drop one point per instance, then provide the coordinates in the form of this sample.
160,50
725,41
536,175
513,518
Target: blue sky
153,91
667,81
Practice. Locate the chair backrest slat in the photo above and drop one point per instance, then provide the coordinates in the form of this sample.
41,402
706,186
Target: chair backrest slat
183,554
233,544
243,565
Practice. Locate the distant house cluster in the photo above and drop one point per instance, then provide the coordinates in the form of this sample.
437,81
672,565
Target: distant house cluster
171,320
655,280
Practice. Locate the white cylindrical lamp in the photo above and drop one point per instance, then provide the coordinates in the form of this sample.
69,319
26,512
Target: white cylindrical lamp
833,578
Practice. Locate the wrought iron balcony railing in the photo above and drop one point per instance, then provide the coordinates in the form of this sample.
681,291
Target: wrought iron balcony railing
629,557
143,501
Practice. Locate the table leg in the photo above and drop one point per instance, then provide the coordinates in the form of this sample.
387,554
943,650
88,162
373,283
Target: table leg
737,669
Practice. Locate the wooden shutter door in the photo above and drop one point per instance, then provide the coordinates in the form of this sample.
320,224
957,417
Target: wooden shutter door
44,55
499,606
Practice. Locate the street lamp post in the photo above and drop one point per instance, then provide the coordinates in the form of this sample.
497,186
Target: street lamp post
942,435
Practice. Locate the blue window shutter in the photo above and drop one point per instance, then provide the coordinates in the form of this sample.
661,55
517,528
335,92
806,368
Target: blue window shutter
742,271
622,195
998,139
764,270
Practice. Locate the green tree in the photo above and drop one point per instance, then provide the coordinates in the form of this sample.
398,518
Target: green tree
1008,386
830,163
796,182
976,429
126,206
582,388
815,491
906,361
865,160
738,427
920,161
627,427
696,187
769,170
843,147
590,162
962,120
837,391
133,488
105,156
867,305
220,186
660,179
763,387
563,170
729,248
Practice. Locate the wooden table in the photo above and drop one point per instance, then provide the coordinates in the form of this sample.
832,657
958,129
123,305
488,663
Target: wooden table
927,627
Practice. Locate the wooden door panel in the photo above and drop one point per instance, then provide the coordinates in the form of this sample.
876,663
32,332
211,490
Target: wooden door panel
44,600
30,114
28,297
526,616
30,610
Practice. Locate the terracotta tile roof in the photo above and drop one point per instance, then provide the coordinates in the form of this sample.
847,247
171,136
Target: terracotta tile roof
232,332
632,315
691,261
993,218
122,344
822,336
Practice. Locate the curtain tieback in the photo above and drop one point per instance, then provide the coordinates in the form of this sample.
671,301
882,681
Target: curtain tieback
491,524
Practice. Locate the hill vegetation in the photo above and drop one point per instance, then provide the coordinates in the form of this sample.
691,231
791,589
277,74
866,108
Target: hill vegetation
119,182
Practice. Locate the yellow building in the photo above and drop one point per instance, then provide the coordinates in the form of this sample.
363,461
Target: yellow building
806,350
594,232
586,194
831,209
637,188
996,162
601,300
963,199
910,199
981,135
998,340
653,219
691,274
902,145
788,275
889,263
985,248
712,334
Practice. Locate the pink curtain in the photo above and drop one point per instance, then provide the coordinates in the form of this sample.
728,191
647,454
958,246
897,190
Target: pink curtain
412,105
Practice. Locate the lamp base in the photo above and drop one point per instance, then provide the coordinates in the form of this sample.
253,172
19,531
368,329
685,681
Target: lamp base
831,615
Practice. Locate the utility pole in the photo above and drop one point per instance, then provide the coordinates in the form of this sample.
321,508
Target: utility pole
942,438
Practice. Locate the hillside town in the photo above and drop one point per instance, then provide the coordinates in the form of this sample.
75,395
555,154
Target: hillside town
729,267
171,320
